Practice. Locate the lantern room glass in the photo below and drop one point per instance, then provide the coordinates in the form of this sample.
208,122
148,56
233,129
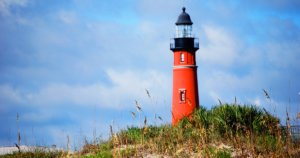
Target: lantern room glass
183,31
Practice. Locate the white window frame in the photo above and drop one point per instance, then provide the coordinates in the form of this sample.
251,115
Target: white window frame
182,57
182,95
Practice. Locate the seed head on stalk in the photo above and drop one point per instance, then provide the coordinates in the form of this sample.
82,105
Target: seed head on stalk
138,107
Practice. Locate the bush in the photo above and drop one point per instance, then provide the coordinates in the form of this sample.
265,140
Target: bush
237,119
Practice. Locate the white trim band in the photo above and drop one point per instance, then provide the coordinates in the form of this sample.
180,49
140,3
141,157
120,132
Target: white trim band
184,66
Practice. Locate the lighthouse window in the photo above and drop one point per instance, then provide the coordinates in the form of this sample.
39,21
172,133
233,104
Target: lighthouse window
182,57
183,31
182,95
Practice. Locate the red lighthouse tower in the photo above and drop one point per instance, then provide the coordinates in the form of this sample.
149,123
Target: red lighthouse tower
185,87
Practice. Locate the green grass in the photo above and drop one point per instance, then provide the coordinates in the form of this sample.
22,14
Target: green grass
246,130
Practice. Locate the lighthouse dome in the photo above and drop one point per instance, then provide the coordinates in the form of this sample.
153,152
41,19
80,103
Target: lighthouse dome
184,18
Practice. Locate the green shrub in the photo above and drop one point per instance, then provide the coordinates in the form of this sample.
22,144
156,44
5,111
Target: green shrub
237,119
223,154
131,135
104,154
202,118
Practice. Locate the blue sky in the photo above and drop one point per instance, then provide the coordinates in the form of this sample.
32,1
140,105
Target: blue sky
74,67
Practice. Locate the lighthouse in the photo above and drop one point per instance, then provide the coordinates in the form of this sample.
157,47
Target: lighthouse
185,87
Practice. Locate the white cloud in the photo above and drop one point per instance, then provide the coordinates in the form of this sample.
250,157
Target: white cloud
284,54
158,8
221,47
125,87
219,80
67,17
257,102
224,85
10,95
5,5
214,96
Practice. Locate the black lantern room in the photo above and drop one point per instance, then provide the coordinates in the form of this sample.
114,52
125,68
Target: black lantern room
184,40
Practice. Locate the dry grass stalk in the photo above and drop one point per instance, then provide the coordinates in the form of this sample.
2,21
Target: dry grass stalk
133,114
148,93
138,107
19,133
220,103
266,94
160,118
288,133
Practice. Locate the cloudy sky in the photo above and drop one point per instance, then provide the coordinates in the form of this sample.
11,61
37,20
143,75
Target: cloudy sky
74,67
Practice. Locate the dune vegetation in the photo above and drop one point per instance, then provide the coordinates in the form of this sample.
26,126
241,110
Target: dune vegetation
226,130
